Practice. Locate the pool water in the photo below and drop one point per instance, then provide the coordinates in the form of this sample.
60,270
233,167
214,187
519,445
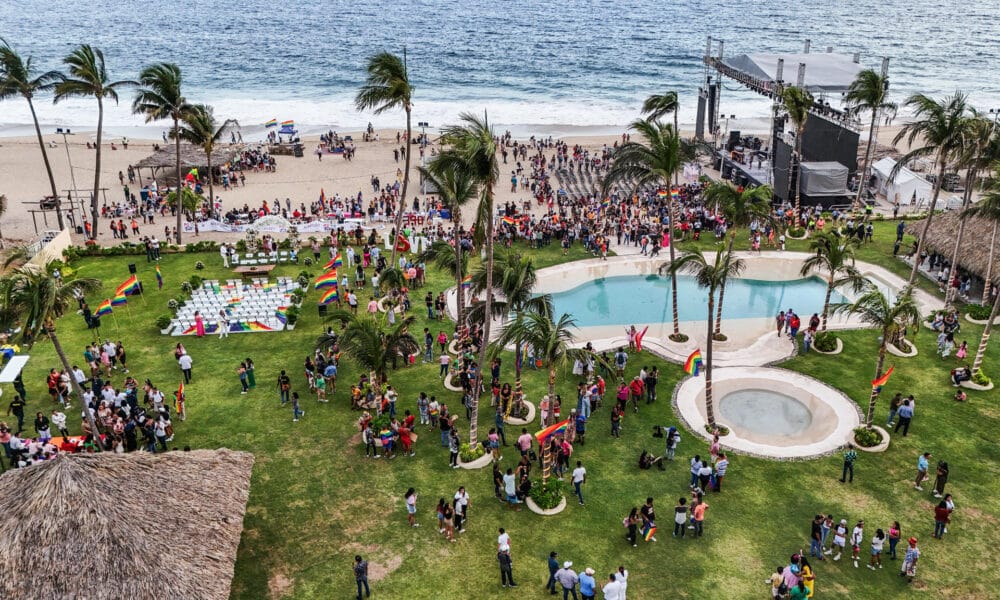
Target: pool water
764,412
639,299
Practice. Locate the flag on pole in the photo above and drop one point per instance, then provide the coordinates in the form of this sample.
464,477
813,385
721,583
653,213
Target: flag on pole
509,220
118,300
557,429
104,308
335,262
322,197
649,533
281,313
290,123
159,277
128,287
694,363
329,296
638,338
328,279
878,383
662,193
467,282
271,123
402,244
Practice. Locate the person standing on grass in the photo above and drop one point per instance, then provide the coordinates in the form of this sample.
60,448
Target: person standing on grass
185,362
579,478
941,479
284,387
857,536
506,567
510,489
895,533
567,579
720,471
648,515
894,405
816,537
461,508
839,539
632,523
612,589
550,585
850,456
411,507
298,412
825,528
524,442
698,512
680,516
923,463
587,584
877,543
941,518
241,372
320,385
909,568
453,445
361,575
905,416
448,516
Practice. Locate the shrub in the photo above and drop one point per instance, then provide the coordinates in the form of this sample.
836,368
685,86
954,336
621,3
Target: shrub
199,265
680,338
548,496
173,304
980,378
719,337
867,438
163,321
303,282
186,287
825,342
293,313
297,297
797,232
241,245
308,261
468,454
196,281
978,312
722,430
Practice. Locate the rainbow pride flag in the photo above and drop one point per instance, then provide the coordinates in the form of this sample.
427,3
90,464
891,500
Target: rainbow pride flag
281,313
328,279
694,363
878,383
675,193
249,326
209,328
159,277
288,123
329,296
467,282
335,262
234,301
127,287
662,193
271,123
104,308
118,300
649,533
557,429
509,220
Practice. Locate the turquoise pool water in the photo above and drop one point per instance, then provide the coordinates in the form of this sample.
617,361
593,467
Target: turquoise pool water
645,299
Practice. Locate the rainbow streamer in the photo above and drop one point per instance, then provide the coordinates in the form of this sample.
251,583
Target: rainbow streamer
249,326
335,262
209,328
118,300
328,279
104,308
329,296
878,383
235,301
281,313
693,364
287,123
159,277
557,429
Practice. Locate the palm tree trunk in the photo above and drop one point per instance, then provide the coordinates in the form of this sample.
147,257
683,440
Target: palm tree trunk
673,258
549,419
180,197
878,373
989,266
401,205
459,276
211,181
76,385
950,290
709,409
518,359
48,167
985,340
927,222
487,318
94,211
798,175
826,302
722,288
863,180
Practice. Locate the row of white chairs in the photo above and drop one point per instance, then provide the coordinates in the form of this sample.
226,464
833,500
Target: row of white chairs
274,257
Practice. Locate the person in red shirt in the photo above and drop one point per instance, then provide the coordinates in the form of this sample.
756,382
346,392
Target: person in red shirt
406,440
408,420
636,389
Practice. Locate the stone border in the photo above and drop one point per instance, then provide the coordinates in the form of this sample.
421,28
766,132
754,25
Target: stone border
448,385
526,420
453,347
837,350
896,351
880,447
971,385
382,308
542,511
968,318
695,423
479,463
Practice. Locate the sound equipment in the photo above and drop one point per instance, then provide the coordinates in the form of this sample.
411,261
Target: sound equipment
734,140
131,268
322,310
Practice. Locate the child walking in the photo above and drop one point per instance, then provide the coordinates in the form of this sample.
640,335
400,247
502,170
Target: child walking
877,542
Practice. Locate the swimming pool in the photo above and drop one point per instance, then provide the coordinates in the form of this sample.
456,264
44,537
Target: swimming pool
637,299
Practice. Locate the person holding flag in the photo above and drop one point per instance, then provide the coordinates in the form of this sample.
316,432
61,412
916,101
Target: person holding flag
179,402
159,277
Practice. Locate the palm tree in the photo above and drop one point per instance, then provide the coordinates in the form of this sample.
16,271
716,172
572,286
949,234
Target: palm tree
88,76
710,276
39,300
201,129
551,341
836,259
18,77
373,345
160,97
742,208
650,162
658,106
388,87
797,102
943,127
473,150
988,208
869,92
876,310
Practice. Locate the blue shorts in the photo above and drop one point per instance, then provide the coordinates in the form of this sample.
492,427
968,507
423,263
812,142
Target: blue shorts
876,552
412,509
512,499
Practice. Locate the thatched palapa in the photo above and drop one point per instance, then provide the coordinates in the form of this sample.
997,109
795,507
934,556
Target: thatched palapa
192,157
135,526
974,254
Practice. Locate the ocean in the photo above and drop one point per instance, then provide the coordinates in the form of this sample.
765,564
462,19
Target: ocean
540,66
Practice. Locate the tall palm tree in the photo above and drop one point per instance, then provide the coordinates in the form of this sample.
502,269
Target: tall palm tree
386,88
373,345
835,258
551,342
160,97
18,77
943,127
473,150
657,106
88,76
653,161
201,129
797,103
869,92
988,208
876,310
39,300
742,208
711,276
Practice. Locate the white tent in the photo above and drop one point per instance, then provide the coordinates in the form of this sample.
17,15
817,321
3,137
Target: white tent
907,188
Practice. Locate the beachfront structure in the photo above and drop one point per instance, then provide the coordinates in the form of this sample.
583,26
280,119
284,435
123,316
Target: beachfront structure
137,525
975,257
192,157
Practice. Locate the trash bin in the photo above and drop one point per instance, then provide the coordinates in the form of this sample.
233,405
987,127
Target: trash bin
298,151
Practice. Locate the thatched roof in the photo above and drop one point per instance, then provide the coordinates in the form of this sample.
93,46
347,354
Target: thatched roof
191,157
139,525
974,255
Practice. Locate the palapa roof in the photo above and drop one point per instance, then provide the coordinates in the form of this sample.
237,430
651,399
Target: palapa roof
137,526
974,254
191,157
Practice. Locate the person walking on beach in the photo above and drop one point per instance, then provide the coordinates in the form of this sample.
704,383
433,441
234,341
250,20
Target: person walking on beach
361,575
850,456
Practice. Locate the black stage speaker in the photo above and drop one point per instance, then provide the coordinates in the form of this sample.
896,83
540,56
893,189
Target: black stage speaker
131,268
322,310
734,140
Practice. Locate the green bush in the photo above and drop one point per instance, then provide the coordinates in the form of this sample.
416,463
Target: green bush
980,378
241,245
163,321
173,304
719,337
196,281
293,313
867,438
548,496
308,261
797,232
199,265
825,342
303,282
186,287
722,430
680,338
468,454
978,312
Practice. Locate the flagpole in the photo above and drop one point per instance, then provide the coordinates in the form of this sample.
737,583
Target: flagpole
117,329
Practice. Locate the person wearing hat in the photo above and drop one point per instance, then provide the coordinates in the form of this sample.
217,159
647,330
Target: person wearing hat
587,584
568,579
909,569
553,568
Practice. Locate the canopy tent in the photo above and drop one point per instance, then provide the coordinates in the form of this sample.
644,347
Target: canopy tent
823,179
906,188
825,72
82,509
13,368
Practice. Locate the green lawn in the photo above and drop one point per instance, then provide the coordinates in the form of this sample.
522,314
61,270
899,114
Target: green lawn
315,501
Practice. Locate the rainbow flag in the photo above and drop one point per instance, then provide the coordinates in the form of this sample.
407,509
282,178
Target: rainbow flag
249,326
675,193
662,193
693,364
118,300
509,220
104,308
159,277
649,533
269,286
271,123
281,313
878,383
467,282
638,338
606,203
335,262
322,197
288,123
234,301
329,296
328,279
557,429
209,328
128,287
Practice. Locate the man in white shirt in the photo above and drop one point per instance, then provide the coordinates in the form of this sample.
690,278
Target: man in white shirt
579,478
185,363
612,589
503,541
462,507
224,253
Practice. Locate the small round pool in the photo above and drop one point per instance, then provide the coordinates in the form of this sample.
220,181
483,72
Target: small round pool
765,412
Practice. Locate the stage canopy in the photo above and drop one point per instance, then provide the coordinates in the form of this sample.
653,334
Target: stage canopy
825,72
823,179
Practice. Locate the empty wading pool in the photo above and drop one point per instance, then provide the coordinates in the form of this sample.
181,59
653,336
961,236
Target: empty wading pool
770,412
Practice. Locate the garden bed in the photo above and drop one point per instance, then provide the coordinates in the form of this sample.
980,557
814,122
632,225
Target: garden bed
896,351
882,446
527,419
